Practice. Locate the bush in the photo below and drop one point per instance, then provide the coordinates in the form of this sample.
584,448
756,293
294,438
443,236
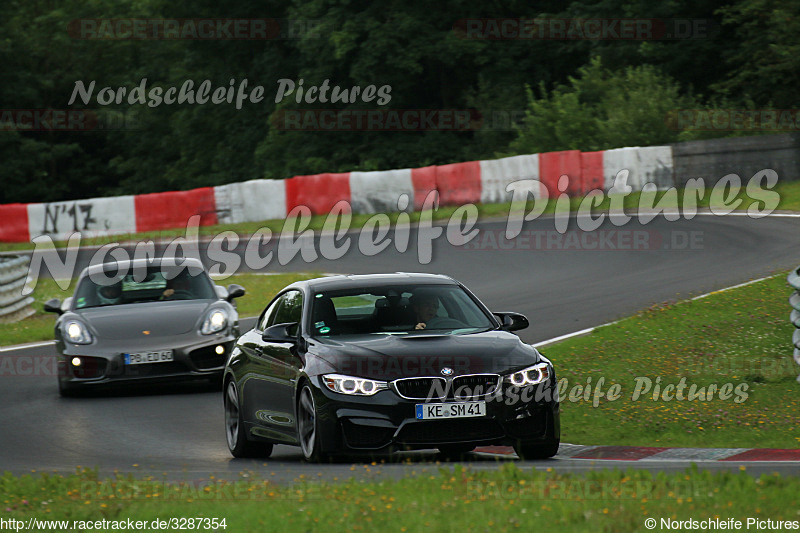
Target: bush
602,109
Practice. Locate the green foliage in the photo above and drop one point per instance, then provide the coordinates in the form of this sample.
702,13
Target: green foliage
602,109
765,60
572,102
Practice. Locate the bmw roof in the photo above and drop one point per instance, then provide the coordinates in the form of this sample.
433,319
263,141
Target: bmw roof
374,280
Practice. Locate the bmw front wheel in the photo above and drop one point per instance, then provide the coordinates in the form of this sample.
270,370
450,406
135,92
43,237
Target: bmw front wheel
238,444
307,426
537,450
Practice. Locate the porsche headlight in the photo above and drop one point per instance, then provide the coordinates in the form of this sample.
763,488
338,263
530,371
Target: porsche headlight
76,333
216,321
530,376
352,385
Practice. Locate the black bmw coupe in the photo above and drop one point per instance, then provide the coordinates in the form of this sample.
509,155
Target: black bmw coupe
143,320
345,365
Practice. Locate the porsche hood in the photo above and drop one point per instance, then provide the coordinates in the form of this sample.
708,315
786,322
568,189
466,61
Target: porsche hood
162,319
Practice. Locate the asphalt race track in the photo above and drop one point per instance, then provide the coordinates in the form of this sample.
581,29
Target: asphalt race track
561,285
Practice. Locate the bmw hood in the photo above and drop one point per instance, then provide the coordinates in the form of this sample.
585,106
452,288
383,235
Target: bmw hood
388,357
161,319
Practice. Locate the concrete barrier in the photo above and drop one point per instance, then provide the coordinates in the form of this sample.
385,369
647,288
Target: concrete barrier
651,164
92,218
318,192
744,156
424,180
15,223
167,210
250,201
459,183
655,166
496,174
371,192
553,165
380,191
592,177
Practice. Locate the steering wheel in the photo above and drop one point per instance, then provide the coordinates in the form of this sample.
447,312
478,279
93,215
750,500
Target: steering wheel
441,322
180,295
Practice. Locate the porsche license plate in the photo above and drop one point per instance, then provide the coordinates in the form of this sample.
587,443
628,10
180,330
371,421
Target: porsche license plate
433,411
162,356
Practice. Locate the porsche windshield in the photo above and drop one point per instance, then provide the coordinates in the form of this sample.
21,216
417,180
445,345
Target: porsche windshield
405,309
155,285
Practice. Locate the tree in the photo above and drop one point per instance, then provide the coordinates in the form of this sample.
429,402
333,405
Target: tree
765,60
602,109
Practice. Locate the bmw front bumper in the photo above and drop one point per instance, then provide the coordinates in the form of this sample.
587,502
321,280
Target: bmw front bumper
353,424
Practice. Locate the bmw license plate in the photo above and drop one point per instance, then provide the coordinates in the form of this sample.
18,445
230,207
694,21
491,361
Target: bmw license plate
162,356
433,411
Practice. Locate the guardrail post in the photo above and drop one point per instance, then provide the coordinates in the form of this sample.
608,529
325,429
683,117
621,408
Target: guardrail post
794,301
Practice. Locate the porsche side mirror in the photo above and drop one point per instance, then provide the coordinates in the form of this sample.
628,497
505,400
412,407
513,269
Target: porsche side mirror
280,333
53,306
512,321
234,291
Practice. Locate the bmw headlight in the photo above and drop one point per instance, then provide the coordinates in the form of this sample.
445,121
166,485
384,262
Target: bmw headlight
353,386
76,332
216,321
530,376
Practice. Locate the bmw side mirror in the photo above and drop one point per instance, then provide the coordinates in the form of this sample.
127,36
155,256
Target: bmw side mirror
280,333
512,321
53,306
234,291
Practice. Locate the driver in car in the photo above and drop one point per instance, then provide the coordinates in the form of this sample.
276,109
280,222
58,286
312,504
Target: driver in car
179,285
425,304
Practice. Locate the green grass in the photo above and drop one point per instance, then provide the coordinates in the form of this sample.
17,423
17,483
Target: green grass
742,337
450,499
38,327
788,191
259,291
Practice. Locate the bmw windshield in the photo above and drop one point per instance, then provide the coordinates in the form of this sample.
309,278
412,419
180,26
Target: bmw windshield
397,310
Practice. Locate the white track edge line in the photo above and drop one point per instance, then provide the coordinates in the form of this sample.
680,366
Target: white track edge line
589,330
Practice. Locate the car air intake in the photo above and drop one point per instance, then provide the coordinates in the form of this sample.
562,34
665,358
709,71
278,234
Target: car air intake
474,386
366,436
421,388
206,358
446,431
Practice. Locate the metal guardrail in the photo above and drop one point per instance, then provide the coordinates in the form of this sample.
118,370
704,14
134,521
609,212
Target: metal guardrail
13,274
794,301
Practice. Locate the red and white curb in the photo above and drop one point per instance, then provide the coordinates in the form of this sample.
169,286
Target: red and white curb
652,453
